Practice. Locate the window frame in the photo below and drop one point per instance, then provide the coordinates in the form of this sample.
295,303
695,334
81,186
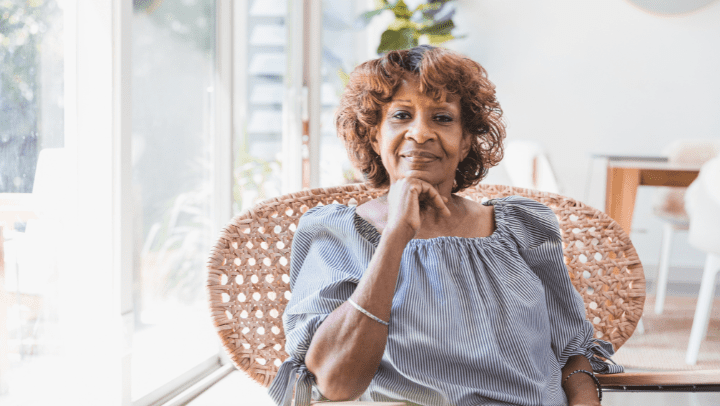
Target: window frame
98,122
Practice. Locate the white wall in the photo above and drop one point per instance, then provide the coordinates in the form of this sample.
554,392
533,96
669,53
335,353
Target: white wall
600,76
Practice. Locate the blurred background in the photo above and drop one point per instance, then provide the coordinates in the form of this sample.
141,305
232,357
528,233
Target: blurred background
132,131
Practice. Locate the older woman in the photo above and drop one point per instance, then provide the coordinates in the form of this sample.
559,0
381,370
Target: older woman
420,295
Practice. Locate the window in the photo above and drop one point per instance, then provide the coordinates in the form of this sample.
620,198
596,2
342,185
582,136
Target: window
101,277
173,131
260,71
342,50
102,271
31,126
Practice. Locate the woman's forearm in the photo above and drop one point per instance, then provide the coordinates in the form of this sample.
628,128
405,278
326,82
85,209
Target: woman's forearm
580,388
347,348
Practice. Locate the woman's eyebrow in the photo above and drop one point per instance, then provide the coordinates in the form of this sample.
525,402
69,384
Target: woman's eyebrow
437,103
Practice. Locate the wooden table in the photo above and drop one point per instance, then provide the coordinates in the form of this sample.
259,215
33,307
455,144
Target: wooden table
16,207
678,381
625,174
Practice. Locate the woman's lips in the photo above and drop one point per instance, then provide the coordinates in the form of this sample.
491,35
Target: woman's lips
419,156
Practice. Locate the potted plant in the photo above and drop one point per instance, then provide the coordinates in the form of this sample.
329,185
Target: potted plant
431,19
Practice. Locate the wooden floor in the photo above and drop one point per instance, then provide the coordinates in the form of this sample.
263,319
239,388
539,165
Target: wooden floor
237,390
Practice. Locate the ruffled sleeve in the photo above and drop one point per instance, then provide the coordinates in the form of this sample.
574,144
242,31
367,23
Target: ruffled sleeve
536,231
324,272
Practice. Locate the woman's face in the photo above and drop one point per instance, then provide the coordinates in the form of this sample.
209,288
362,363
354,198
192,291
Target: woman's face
420,137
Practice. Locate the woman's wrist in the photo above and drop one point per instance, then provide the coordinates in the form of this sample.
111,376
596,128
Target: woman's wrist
398,233
581,388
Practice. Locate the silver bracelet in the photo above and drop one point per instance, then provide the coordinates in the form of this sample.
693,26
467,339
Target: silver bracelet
367,313
597,383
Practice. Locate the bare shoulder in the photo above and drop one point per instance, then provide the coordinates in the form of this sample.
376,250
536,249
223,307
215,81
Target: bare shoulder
480,219
374,212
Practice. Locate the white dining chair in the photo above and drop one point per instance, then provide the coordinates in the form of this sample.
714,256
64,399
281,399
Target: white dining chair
37,248
49,193
702,202
668,204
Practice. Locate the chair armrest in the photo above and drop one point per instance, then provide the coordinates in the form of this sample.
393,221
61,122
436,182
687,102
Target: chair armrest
677,381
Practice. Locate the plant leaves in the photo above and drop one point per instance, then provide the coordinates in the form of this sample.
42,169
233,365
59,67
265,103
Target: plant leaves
344,76
401,10
429,7
444,12
443,28
400,23
439,39
392,40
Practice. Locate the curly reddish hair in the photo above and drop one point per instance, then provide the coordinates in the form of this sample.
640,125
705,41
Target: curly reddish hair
440,72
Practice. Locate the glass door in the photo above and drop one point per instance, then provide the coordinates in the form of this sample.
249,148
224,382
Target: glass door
173,181
343,48
262,33
32,163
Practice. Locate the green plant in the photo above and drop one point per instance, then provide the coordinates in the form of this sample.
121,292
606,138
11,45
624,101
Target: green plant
176,246
255,179
23,26
431,19
251,179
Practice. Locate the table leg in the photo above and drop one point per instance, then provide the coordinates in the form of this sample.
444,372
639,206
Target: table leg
622,184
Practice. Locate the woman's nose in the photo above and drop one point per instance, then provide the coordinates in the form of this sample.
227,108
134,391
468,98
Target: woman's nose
420,132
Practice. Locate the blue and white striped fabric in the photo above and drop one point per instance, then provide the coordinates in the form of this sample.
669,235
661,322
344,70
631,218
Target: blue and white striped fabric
474,321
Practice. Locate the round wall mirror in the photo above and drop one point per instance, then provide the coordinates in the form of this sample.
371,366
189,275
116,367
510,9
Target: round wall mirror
671,7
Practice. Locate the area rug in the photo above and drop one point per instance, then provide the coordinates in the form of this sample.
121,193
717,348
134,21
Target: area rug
664,343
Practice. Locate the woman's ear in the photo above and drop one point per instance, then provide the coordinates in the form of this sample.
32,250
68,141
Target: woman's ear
374,142
465,147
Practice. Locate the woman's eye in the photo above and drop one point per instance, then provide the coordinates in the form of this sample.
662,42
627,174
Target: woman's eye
443,118
401,115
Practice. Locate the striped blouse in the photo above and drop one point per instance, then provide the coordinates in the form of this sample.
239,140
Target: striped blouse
474,321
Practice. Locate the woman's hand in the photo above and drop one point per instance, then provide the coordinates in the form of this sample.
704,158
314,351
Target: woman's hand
410,200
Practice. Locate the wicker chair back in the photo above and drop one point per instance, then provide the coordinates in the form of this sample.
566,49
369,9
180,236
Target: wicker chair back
248,270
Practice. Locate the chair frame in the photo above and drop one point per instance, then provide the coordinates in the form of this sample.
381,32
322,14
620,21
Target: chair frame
248,279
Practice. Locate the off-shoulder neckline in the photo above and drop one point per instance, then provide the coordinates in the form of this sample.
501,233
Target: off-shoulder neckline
370,232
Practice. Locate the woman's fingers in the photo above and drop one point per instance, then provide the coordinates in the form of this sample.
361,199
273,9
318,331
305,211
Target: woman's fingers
405,198
403,205
429,195
436,199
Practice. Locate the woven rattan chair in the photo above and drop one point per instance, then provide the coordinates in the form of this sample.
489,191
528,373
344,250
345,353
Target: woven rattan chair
248,278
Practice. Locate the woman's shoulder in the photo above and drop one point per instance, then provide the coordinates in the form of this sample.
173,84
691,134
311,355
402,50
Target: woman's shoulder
322,210
331,216
522,206
530,221
338,221
374,213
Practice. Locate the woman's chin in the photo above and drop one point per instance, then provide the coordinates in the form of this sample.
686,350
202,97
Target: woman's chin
429,176
422,174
